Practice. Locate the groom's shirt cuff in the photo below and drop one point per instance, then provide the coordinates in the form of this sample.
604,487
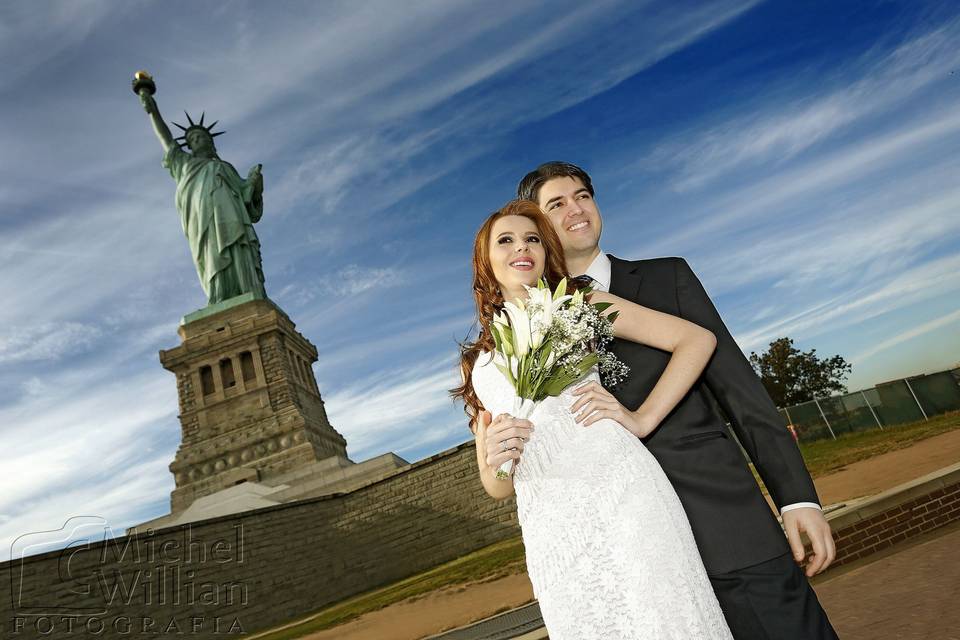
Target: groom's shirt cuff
799,505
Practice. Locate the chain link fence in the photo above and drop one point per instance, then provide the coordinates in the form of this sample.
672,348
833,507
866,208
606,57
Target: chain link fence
885,405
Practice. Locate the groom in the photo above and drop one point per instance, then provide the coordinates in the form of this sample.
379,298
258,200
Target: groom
762,590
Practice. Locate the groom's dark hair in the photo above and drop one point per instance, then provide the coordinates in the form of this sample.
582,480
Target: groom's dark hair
529,187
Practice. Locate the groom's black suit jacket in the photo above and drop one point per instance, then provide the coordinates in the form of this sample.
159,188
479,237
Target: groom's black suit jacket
733,524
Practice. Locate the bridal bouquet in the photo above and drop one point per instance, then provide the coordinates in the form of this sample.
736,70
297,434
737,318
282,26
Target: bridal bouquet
550,341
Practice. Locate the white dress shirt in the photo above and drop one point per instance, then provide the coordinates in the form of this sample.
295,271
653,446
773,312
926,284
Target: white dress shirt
599,270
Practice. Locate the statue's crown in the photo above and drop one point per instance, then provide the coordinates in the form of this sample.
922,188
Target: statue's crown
196,125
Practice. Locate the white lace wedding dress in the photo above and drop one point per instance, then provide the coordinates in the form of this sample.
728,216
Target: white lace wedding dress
609,550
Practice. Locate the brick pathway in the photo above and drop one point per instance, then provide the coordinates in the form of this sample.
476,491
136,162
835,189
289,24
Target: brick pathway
910,593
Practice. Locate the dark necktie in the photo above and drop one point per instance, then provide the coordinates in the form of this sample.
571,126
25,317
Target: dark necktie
582,281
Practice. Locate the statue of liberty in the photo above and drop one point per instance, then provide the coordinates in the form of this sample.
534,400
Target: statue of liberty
217,207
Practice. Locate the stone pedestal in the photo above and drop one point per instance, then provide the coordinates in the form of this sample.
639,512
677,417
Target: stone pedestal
250,409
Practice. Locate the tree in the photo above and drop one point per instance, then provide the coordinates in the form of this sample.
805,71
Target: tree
792,376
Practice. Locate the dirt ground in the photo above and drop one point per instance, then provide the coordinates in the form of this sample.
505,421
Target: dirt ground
462,604
868,477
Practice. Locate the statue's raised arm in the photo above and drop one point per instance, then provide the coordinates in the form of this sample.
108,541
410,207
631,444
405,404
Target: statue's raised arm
144,87
217,207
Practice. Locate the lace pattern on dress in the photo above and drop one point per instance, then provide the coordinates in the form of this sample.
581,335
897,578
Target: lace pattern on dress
609,550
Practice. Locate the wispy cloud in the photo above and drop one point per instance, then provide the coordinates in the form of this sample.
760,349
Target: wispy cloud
81,443
788,191
354,279
349,281
470,108
108,252
61,26
932,279
63,434
399,409
393,340
132,495
46,342
779,131
923,329
849,246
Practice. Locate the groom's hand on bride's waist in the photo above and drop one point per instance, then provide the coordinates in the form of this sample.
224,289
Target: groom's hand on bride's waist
811,522
596,403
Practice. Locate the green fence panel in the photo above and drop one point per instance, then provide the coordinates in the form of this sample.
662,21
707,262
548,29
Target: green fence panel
894,403
858,412
873,401
937,392
808,422
836,415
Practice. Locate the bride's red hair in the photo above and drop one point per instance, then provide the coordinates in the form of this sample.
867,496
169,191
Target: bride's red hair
486,290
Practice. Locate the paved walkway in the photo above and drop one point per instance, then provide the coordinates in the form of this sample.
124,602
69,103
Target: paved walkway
911,592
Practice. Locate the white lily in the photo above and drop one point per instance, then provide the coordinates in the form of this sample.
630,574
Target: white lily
546,303
559,302
520,323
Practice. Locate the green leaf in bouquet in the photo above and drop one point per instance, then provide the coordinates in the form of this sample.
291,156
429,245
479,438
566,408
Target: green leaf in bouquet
524,377
553,388
563,378
505,370
501,344
507,336
541,370
497,338
602,306
559,383
613,316
542,353
561,290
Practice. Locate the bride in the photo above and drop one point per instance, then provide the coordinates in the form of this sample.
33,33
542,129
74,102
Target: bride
609,550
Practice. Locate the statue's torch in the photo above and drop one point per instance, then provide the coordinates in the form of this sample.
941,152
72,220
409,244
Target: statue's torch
145,87
143,84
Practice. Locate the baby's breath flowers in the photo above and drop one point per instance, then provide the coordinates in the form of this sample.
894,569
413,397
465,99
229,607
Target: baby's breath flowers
549,342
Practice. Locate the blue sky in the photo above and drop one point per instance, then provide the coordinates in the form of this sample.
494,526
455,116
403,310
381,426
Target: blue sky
801,156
